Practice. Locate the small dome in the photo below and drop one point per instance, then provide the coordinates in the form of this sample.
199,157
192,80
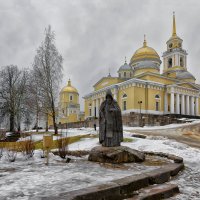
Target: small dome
184,75
145,52
125,67
69,88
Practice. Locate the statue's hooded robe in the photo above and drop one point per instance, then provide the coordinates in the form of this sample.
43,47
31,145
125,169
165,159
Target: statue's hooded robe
110,123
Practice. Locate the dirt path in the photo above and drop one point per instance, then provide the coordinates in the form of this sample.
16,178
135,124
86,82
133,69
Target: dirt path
189,134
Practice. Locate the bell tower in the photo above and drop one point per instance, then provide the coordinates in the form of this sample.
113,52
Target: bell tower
175,56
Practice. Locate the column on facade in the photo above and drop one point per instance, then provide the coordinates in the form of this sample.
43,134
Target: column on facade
177,104
172,103
196,106
187,105
183,104
97,107
101,100
166,103
176,62
115,93
192,105
93,108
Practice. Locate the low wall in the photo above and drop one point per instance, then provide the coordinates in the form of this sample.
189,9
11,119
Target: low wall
134,120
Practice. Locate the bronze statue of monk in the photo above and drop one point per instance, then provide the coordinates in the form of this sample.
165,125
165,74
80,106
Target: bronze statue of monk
110,122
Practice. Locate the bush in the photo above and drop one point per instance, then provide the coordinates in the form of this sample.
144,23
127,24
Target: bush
62,143
12,151
27,148
2,145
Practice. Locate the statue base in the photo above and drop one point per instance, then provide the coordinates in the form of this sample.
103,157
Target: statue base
120,154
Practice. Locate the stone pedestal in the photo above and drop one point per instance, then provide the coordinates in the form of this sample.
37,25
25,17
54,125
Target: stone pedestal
119,154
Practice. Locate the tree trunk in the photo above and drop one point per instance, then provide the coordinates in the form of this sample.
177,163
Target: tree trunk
54,123
47,128
12,122
37,118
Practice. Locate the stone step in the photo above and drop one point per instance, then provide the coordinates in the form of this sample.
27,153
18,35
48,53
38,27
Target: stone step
156,192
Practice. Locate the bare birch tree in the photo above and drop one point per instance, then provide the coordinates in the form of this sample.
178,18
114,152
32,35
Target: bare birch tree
48,72
13,90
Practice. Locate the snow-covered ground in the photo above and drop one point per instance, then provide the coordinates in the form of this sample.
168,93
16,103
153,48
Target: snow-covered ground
25,178
65,132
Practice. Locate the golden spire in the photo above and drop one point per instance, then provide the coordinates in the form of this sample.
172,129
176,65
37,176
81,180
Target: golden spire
174,25
145,42
69,83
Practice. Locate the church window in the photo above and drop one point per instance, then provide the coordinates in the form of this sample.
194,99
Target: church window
63,111
90,111
157,97
124,105
157,106
181,62
169,62
170,45
124,74
71,97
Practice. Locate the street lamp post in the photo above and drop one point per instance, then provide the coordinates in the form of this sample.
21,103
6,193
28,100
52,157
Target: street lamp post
140,118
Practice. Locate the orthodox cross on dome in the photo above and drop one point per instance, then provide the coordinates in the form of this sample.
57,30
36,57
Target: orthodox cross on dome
125,60
145,42
174,25
69,82
109,72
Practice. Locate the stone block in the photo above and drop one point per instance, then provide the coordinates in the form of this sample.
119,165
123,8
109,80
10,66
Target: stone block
132,183
159,176
119,154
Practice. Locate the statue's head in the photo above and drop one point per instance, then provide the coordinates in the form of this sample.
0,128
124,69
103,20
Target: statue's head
109,97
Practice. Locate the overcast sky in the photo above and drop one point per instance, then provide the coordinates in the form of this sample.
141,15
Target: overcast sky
94,36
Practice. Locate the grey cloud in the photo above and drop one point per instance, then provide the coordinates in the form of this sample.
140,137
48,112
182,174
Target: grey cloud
95,35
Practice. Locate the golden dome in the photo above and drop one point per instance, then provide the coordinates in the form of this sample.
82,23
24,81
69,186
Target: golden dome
69,88
145,52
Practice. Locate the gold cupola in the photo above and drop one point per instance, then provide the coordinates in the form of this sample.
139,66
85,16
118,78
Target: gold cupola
144,53
69,88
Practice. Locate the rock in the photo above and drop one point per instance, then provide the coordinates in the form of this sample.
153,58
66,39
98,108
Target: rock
120,154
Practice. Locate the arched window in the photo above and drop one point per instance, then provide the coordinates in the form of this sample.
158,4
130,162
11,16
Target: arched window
157,106
70,97
181,62
157,98
90,111
124,105
169,62
124,74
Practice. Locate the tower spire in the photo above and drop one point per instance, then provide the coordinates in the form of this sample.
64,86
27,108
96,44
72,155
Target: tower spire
174,25
145,42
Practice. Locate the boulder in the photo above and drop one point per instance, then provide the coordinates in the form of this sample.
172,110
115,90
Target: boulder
120,154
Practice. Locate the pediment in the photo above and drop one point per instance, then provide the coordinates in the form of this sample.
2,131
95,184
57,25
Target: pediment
188,85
